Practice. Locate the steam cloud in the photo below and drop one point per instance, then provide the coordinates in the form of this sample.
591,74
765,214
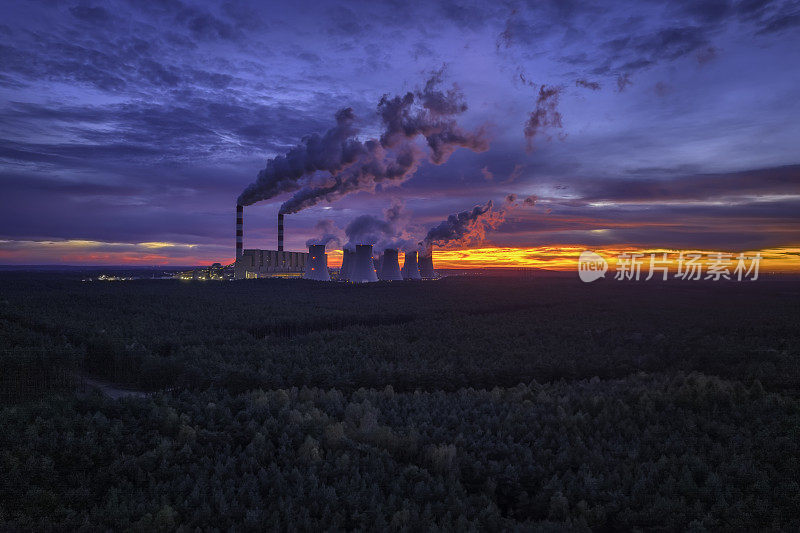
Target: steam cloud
545,115
389,232
466,226
327,167
329,233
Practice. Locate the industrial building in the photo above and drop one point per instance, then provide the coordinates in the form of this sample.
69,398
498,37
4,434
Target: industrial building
358,263
252,263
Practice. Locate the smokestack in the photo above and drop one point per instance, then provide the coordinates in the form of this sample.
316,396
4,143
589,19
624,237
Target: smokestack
410,268
390,266
239,234
426,265
363,270
317,264
280,232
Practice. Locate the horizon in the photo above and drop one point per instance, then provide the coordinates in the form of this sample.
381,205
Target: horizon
130,131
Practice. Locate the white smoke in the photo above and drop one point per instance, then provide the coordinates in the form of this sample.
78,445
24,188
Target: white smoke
349,165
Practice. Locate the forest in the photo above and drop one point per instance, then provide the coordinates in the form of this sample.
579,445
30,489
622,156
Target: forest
470,402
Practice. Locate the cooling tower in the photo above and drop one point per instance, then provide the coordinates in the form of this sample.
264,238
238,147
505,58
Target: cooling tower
347,264
390,267
426,265
239,232
363,270
317,264
280,232
410,268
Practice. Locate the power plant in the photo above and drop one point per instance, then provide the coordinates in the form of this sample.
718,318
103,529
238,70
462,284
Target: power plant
358,265
252,263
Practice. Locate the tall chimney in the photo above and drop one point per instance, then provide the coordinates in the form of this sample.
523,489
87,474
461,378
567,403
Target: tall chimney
239,234
280,232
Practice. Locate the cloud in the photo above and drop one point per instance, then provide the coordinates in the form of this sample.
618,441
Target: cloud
623,81
152,117
662,88
328,233
706,55
700,187
515,174
382,233
545,116
330,166
586,84
96,15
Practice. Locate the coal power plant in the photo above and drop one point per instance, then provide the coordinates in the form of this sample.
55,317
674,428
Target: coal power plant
252,263
359,262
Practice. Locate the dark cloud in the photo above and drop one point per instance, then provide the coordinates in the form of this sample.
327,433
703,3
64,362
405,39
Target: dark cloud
545,116
96,15
662,88
586,84
195,129
700,187
623,81
706,55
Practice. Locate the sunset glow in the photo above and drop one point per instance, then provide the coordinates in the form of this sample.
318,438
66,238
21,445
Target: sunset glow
565,258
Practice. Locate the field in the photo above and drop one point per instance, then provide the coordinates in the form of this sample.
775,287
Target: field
475,401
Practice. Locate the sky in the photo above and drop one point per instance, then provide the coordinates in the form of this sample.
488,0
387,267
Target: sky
129,129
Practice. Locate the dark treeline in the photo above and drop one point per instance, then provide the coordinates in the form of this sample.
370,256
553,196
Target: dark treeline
467,402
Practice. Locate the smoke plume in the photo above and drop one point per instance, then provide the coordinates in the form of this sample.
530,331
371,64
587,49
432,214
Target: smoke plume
328,231
327,167
388,232
465,227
